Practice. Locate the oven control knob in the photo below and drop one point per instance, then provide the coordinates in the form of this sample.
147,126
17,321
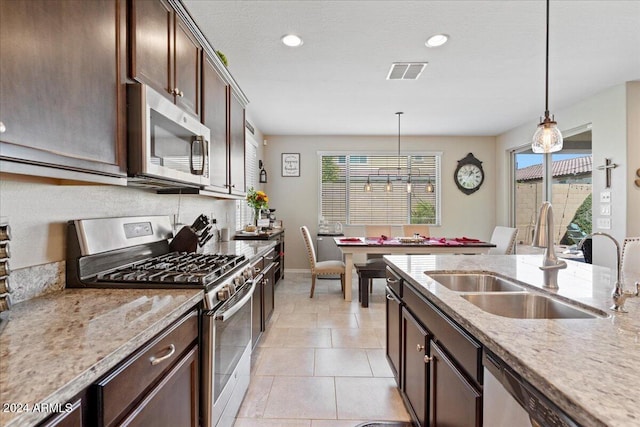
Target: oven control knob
224,294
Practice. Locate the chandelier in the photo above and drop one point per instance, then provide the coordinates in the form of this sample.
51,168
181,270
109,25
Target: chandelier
399,176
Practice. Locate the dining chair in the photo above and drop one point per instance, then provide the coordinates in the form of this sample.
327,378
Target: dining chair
505,240
630,260
377,230
375,261
409,230
319,268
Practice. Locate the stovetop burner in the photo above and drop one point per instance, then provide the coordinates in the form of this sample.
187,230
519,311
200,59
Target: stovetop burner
176,268
135,252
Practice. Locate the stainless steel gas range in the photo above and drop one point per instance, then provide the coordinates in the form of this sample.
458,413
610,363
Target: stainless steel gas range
135,252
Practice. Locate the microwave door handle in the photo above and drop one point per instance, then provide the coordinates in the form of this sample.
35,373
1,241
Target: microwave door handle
195,142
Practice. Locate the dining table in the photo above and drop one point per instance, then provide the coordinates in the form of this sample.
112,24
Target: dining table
422,245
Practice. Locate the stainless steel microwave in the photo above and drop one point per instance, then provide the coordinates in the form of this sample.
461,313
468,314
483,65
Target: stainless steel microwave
165,144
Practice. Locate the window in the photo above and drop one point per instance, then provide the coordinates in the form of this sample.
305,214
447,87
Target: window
343,197
244,213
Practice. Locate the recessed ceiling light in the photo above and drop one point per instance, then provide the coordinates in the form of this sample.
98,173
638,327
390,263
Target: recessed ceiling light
291,40
437,40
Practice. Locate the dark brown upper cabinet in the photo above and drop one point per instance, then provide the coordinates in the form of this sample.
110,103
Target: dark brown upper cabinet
61,93
236,145
164,53
214,115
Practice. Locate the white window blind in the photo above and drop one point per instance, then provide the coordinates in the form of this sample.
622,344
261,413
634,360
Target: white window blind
342,188
243,211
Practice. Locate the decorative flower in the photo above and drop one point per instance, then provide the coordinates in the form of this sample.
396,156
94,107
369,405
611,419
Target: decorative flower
257,199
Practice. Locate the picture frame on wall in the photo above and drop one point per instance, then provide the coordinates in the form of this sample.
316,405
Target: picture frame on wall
290,164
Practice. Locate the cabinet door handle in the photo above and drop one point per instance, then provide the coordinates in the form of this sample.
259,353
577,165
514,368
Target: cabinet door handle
428,359
419,348
156,360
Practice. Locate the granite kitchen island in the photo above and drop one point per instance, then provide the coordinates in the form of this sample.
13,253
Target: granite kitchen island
587,366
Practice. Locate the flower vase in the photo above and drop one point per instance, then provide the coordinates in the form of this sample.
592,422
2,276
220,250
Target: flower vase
256,216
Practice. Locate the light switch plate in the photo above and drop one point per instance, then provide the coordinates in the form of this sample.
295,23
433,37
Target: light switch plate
604,223
605,209
605,197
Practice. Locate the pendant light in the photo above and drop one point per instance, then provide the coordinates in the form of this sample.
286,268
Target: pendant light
429,188
388,187
547,138
367,186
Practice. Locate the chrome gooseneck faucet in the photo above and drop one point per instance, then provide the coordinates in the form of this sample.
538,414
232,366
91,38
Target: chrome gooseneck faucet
618,295
543,238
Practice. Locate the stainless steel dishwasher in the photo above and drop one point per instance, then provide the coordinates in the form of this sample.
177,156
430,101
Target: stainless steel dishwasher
509,400
326,250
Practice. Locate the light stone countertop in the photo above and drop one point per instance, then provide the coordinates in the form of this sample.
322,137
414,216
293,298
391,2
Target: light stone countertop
588,367
56,345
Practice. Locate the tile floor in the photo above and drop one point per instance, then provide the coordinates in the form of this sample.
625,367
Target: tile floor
321,362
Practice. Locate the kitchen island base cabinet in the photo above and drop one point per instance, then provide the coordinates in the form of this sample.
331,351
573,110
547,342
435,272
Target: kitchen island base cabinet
440,365
394,330
454,400
415,374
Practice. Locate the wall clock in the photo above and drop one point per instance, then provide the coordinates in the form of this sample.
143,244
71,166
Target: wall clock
469,175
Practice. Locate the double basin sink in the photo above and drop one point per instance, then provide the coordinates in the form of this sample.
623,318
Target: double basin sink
502,297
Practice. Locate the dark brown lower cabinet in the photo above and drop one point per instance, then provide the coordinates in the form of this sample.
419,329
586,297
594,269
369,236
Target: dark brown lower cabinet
174,401
268,293
454,400
394,330
73,416
415,373
158,385
438,363
256,312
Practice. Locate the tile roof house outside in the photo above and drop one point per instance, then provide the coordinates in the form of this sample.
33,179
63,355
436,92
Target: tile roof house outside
579,167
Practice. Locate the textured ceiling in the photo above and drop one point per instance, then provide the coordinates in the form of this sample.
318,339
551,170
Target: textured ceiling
487,79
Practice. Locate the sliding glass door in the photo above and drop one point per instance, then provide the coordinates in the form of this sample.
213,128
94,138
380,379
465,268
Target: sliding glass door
564,178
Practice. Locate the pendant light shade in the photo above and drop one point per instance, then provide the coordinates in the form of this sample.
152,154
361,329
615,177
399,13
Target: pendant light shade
429,188
547,138
409,184
388,187
367,186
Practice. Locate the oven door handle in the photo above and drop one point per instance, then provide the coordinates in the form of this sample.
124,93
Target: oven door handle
227,314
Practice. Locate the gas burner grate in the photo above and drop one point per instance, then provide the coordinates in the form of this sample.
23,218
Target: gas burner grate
175,267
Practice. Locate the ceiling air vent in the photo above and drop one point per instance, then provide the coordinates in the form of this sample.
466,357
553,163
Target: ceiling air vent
406,70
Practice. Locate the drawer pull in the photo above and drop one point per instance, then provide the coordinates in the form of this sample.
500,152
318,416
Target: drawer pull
419,348
156,360
428,359
389,280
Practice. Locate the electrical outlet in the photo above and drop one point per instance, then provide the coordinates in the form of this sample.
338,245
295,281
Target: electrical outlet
605,209
605,197
604,223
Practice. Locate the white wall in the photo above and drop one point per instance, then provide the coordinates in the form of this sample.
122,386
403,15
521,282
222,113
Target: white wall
633,157
607,112
296,198
38,209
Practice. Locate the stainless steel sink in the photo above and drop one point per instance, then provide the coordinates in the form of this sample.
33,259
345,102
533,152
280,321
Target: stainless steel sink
471,282
527,306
